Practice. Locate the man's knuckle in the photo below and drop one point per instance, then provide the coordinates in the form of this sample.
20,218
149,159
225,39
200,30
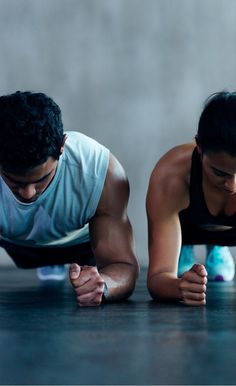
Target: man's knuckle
100,282
99,291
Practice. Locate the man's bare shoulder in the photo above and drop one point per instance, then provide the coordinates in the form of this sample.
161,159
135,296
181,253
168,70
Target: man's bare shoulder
170,177
115,192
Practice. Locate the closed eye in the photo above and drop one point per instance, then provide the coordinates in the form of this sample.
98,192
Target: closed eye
220,173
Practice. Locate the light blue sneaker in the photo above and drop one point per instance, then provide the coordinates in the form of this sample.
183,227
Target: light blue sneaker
220,264
52,272
186,259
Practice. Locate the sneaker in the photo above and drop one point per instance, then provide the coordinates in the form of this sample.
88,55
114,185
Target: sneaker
186,259
220,264
52,272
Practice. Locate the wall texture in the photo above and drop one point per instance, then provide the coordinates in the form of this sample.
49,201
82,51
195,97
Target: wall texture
133,74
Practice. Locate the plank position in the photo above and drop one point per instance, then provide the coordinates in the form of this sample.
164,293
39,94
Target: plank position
191,200
63,200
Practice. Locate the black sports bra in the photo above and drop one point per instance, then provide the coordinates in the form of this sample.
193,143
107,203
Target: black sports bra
197,212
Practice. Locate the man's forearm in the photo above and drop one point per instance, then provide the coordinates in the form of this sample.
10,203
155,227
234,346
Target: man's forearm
164,286
120,279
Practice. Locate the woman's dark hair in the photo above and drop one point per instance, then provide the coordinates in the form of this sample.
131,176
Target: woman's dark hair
31,130
217,124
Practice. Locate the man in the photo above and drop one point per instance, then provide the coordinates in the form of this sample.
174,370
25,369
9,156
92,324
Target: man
63,199
192,200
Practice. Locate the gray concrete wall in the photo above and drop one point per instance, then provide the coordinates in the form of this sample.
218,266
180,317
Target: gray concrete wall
133,74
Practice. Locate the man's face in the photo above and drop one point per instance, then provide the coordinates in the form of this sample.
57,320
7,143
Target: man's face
219,169
27,187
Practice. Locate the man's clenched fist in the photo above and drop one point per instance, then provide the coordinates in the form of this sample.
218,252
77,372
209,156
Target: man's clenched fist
88,284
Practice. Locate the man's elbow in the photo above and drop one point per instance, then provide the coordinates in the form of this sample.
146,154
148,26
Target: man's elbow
134,271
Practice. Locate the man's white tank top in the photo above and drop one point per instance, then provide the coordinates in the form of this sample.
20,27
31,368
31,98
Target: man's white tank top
59,217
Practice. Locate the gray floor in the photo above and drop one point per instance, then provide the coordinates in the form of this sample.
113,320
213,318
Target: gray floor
46,339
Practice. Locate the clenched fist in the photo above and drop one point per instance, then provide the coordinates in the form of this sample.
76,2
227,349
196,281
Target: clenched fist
88,284
193,285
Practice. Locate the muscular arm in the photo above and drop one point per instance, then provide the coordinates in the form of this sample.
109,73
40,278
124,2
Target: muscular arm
112,237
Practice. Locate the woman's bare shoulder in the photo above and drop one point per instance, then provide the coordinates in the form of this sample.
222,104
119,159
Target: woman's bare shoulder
171,175
176,161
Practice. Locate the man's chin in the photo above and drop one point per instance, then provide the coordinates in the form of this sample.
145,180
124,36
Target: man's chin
24,201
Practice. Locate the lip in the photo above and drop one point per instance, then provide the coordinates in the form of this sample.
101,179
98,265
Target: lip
229,191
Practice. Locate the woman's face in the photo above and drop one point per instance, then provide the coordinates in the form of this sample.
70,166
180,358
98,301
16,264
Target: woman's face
219,170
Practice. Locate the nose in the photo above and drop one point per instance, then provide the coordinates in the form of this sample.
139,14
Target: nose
230,183
27,192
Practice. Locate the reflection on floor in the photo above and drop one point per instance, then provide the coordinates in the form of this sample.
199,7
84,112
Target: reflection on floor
46,339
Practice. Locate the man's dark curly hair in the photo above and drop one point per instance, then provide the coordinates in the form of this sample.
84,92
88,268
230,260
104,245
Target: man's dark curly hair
31,130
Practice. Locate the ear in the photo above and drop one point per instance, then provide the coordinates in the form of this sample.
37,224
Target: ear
200,152
63,143
199,149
